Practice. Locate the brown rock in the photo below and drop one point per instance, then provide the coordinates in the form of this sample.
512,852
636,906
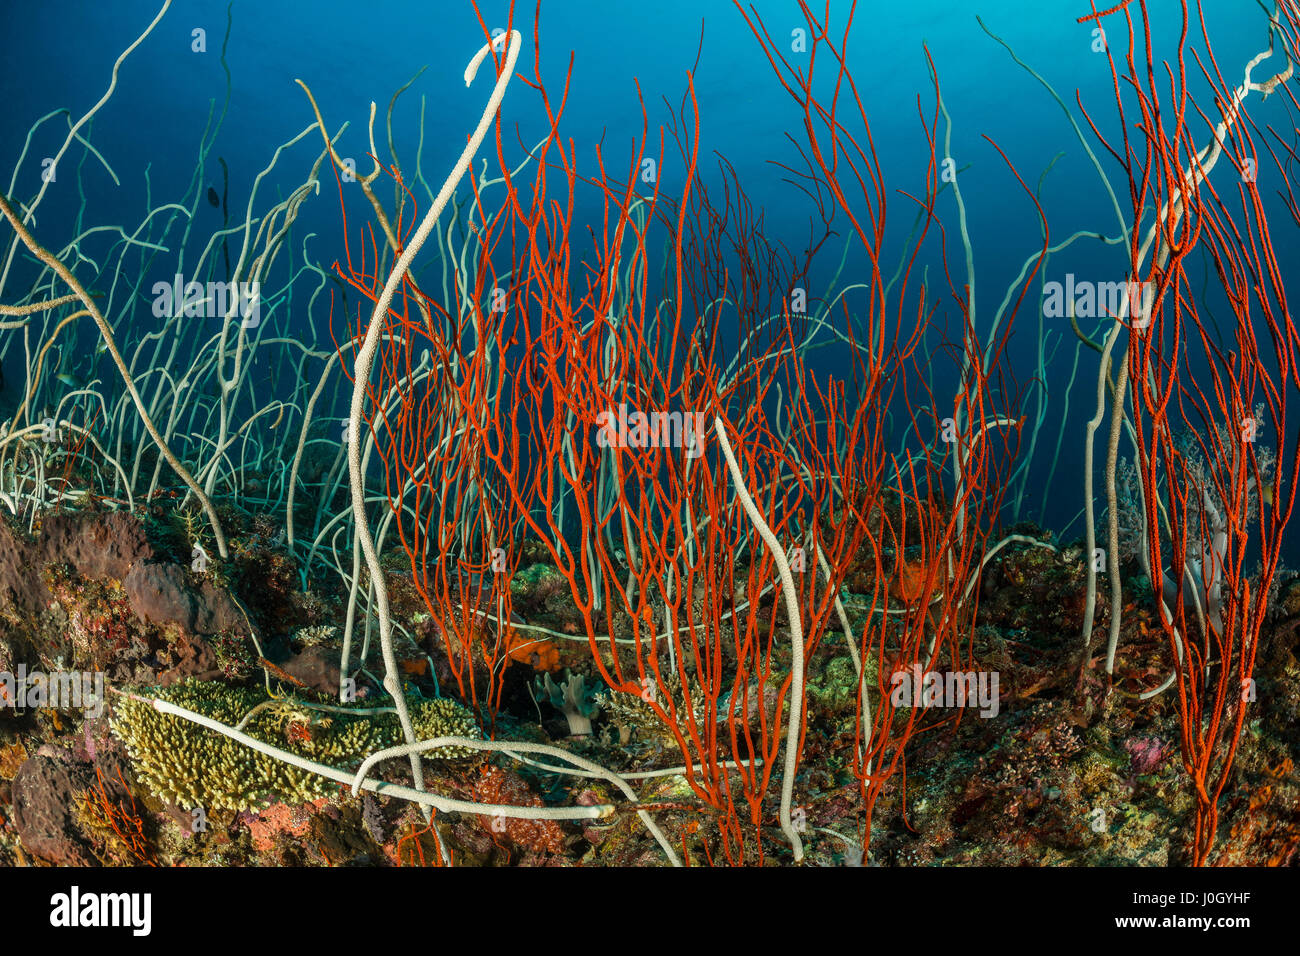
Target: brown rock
215,611
43,794
115,546
159,595
21,589
317,667
189,656
98,546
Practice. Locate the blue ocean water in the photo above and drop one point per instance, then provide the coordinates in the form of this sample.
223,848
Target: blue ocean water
60,54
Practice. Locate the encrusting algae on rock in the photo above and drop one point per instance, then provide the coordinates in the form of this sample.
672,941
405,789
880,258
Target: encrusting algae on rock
190,766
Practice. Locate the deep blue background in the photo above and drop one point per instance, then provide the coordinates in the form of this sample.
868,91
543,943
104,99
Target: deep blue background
59,54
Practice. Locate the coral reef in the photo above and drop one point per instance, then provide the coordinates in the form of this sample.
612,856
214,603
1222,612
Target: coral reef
701,561
194,767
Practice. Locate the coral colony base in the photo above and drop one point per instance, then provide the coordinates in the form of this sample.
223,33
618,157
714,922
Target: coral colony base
546,541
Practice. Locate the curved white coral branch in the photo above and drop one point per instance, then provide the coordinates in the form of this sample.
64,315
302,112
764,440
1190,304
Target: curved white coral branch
791,598
365,360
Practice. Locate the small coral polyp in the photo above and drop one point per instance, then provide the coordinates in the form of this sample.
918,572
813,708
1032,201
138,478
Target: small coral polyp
190,766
